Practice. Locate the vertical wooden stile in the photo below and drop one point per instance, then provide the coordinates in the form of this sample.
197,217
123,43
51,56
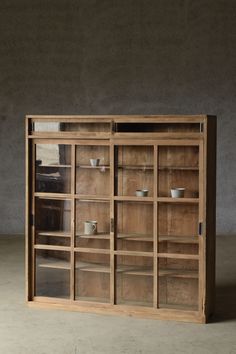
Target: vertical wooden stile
201,238
112,227
32,228
73,228
155,227
27,210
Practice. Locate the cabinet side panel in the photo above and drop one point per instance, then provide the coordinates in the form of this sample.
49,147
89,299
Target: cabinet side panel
28,247
210,215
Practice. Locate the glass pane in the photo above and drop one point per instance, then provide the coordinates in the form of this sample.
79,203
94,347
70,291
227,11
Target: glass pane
52,278
93,170
92,277
92,224
70,127
178,220
134,280
53,221
178,171
53,238
134,228
53,168
178,284
134,171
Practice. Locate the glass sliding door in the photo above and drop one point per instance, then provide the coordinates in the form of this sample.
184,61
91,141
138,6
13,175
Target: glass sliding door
179,199
133,210
52,212
92,222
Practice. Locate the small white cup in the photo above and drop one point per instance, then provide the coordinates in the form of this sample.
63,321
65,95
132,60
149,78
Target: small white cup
90,227
177,192
141,192
94,162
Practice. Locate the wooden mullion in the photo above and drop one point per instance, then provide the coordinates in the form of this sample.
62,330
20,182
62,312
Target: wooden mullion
201,246
32,227
112,227
155,230
73,228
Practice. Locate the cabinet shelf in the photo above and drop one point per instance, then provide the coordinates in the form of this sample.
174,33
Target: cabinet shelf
178,273
136,167
142,238
179,239
133,199
98,236
135,237
54,233
150,167
129,270
181,168
178,200
54,166
99,167
92,198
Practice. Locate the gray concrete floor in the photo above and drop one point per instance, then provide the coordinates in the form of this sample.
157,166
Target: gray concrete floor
24,330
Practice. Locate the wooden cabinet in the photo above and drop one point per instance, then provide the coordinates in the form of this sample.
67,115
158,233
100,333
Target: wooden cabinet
120,214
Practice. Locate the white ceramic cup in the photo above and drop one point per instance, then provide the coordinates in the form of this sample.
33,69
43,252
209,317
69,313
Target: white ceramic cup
177,192
90,227
141,192
94,162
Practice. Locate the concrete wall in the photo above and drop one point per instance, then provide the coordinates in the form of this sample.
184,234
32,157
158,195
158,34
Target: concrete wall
115,56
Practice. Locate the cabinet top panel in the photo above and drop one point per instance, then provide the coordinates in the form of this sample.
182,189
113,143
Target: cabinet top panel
121,118
117,126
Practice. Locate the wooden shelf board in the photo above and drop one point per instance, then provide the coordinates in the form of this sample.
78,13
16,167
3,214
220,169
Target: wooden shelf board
53,196
54,166
128,237
54,233
98,236
178,200
100,167
184,168
93,268
130,270
179,239
97,198
133,199
135,237
178,273
59,264
136,167
178,256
